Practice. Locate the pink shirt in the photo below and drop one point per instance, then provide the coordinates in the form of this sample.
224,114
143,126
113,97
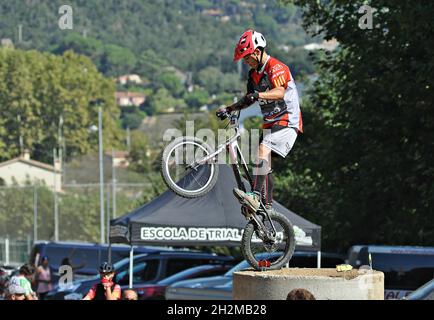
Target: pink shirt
44,274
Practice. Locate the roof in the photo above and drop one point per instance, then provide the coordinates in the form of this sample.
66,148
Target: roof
94,245
33,163
118,154
214,218
120,95
400,249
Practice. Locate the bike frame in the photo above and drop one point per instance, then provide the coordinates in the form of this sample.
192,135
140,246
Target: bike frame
237,159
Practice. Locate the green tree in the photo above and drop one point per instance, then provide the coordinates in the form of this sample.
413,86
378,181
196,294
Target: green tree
196,98
171,82
366,158
150,64
132,120
90,47
216,82
117,60
139,155
38,89
163,101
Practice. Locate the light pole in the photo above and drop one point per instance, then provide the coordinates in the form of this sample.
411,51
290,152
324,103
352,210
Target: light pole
35,215
101,168
114,184
56,200
101,174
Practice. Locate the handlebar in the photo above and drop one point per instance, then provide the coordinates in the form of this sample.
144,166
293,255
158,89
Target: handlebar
237,106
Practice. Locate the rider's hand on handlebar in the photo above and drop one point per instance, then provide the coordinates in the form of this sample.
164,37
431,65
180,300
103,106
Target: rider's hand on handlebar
223,112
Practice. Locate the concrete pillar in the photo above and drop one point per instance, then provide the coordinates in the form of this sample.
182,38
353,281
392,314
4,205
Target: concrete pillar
324,284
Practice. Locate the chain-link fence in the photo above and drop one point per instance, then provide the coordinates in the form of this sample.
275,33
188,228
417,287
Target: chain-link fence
31,213
14,252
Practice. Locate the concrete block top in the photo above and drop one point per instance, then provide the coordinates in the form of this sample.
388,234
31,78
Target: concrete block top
307,273
323,284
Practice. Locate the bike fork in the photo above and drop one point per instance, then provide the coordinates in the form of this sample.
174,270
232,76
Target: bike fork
259,224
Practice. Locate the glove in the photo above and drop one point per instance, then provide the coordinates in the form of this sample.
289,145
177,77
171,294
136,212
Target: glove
223,112
251,97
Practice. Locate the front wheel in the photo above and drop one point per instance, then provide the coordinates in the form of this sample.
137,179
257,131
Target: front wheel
184,172
257,250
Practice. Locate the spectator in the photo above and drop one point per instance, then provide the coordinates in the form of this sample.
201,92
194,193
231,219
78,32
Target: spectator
3,283
16,292
67,262
300,294
43,278
129,294
107,289
24,280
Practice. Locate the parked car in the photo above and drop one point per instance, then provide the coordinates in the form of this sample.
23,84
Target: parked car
220,287
426,292
405,268
148,268
84,257
157,291
6,272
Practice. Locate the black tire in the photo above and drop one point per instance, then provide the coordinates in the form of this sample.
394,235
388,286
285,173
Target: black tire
214,168
280,222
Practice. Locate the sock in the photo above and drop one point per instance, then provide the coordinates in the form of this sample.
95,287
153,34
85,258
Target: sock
261,171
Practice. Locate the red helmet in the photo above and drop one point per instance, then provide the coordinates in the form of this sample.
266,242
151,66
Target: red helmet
249,41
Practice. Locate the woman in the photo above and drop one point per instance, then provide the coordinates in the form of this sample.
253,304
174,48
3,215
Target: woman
43,278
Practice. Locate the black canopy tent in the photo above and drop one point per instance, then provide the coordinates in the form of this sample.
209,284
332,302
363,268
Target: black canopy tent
214,219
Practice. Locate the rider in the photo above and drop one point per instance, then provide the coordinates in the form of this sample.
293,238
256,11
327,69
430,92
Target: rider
271,84
107,289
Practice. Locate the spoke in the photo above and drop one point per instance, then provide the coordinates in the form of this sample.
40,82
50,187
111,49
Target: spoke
196,181
189,176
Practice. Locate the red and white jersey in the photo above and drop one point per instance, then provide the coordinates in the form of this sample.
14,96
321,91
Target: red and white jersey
285,112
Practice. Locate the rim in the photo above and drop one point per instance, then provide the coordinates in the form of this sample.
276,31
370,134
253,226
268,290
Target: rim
175,184
257,246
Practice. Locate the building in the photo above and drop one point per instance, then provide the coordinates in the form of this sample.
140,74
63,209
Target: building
128,99
182,76
325,45
23,170
119,158
212,12
7,43
129,78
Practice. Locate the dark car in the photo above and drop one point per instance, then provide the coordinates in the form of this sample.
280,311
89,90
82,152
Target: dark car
84,257
148,268
156,291
220,287
405,268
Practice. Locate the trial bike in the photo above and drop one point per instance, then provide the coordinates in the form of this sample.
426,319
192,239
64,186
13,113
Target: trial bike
190,169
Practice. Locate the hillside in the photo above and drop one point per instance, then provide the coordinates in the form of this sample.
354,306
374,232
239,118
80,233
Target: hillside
124,36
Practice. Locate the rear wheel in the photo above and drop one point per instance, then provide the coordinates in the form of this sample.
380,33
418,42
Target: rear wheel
263,254
181,171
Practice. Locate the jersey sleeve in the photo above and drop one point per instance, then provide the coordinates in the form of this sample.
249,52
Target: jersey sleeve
279,75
